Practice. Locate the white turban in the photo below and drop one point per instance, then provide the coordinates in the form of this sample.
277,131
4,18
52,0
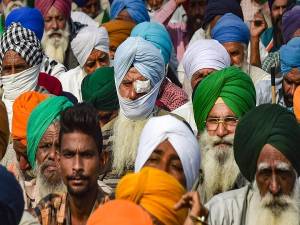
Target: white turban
147,59
159,129
87,39
205,54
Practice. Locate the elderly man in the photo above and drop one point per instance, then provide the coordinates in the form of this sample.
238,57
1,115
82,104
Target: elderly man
267,155
80,161
91,48
219,101
57,37
4,130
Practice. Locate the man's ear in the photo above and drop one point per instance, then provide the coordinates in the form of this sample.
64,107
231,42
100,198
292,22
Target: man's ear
104,159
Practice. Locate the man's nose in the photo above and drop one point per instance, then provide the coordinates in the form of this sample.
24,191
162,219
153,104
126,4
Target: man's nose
274,186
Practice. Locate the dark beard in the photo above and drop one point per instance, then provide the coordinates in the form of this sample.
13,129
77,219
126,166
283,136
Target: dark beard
193,24
277,32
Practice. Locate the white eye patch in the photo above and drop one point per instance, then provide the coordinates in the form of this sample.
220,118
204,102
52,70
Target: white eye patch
141,86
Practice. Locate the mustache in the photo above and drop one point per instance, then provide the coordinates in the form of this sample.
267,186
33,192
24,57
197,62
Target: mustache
46,164
228,140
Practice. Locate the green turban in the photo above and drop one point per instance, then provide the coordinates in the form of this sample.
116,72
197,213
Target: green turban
231,84
39,121
266,124
99,89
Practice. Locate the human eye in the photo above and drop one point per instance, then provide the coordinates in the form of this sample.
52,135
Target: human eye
68,154
230,120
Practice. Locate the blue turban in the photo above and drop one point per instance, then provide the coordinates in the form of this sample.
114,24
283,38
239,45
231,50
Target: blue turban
290,55
231,28
11,198
157,35
220,7
136,9
80,3
29,18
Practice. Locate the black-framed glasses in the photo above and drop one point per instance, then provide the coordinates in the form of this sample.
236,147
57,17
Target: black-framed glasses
229,122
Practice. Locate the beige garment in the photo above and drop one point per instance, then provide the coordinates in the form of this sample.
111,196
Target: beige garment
28,219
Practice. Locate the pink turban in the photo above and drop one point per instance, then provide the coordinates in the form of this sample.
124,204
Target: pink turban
63,6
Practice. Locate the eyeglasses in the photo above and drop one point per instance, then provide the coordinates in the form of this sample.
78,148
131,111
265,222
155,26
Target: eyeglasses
228,122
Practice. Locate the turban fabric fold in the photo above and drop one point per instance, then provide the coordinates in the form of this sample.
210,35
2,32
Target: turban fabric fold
22,41
118,31
29,18
231,28
156,191
296,104
290,55
205,54
22,108
39,121
220,7
231,84
80,3
266,124
50,83
136,9
290,23
87,39
4,129
99,89
148,61
120,212
157,34
64,6
160,129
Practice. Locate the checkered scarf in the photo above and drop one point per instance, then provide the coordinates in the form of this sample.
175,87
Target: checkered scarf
22,41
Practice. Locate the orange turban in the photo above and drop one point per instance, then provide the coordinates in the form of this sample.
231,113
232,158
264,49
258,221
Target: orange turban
4,130
120,212
118,31
22,108
156,191
297,103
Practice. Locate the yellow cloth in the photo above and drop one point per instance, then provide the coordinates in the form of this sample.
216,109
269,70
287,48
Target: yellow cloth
297,104
4,130
156,191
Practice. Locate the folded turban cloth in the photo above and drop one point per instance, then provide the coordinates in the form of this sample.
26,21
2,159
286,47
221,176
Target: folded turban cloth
147,59
99,89
271,3
118,31
80,3
136,9
160,129
205,54
50,83
4,129
157,35
120,212
11,198
290,55
231,28
231,84
290,23
266,124
296,104
22,108
220,7
39,121
29,18
64,6
87,39
156,191
22,41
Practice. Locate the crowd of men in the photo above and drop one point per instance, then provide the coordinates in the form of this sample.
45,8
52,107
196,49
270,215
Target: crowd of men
150,112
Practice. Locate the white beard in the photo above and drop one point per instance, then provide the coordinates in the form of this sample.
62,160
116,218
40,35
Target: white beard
55,47
218,165
287,211
126,138
11,6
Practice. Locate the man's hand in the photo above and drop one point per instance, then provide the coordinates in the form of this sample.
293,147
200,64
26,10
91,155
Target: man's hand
258,25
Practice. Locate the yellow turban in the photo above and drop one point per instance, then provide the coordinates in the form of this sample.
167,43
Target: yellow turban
156,191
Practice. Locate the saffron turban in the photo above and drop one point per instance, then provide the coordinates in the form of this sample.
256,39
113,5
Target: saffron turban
220,7
39,121
290,23
231,28
231,84
162,128
50,83
156,191
87,39
29,18
4,129
266,124
22,108
118,31
64,6
22,41
290,55
99,89
136,9
296,104
146,58
157,34
205,54
120,212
